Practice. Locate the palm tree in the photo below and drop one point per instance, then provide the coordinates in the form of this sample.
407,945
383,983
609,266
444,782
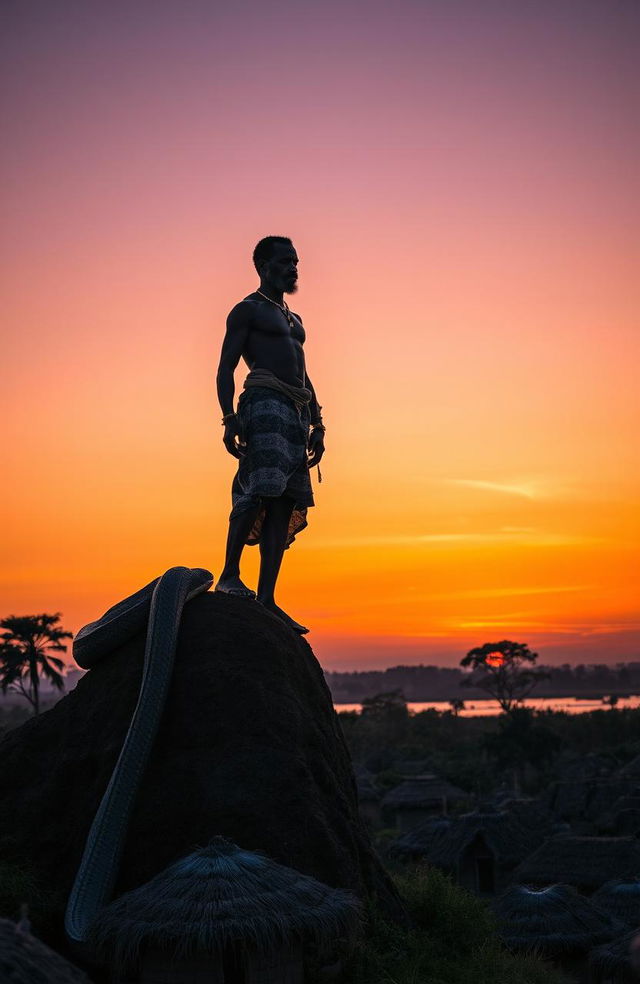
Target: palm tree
25,647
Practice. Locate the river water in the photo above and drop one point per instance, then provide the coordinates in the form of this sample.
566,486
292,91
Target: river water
478,707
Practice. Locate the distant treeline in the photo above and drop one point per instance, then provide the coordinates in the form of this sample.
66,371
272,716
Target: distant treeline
427,683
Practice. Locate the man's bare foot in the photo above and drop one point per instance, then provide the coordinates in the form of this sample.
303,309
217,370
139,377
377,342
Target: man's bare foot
233,585
272,607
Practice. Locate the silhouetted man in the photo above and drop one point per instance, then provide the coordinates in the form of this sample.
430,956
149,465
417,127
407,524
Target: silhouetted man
277,433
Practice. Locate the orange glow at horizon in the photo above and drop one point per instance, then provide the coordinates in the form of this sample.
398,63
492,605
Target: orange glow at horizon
468,258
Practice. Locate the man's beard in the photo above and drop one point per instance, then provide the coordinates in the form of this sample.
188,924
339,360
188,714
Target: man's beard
291,288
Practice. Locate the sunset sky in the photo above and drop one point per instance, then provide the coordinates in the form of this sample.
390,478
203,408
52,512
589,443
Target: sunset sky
461,181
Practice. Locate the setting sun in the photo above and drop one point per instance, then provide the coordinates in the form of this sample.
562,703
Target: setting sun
494,659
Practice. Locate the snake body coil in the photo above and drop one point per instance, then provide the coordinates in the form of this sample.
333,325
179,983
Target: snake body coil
163,601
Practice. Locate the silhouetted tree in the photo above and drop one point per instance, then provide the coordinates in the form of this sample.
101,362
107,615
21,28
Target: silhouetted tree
505,670
390,704
456,705
25,647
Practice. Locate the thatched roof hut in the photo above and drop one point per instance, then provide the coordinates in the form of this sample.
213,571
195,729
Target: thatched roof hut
418,842
584,862
26,960
508,840
555,920
219,897
617,962
585,798
621,898
529,812
423,791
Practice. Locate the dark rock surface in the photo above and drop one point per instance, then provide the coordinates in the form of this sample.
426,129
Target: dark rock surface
249,747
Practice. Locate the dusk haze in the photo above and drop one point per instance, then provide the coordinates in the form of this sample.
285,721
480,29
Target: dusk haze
461,184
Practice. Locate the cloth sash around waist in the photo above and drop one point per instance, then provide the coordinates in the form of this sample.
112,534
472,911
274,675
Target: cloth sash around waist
300,395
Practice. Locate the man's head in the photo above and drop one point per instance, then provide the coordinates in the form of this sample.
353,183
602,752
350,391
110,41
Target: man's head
276,261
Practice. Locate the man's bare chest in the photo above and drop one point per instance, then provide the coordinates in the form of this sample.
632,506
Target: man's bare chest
276,324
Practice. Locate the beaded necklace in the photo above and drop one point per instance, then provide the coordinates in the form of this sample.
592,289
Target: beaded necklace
283,307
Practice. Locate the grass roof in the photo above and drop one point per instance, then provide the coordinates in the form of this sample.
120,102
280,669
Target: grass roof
506,837
26,960
553,920
217,896
530,812
584,862
586,798
419,841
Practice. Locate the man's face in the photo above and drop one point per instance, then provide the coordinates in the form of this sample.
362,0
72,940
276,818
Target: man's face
281,271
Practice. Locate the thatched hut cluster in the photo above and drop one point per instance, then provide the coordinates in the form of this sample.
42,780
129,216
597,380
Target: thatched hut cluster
583,801
26,960
223,915
529,812
584,862
419,797
482,848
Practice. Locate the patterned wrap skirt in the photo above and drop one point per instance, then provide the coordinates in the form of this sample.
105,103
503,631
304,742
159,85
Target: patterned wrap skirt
276,432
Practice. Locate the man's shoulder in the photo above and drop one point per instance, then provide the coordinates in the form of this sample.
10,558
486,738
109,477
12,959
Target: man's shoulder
242,312
246,304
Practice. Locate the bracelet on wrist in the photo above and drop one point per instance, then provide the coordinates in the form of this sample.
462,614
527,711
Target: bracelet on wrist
228,416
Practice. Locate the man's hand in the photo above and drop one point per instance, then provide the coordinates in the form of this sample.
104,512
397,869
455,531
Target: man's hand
233,430
316,447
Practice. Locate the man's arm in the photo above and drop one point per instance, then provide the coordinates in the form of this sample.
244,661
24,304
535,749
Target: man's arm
238,325
316,440
232,348
314,406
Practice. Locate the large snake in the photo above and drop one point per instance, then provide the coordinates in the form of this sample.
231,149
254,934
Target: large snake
161,602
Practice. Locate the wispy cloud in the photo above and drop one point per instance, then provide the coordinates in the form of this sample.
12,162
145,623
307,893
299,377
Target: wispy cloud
507,592
506,622
506,534
519,620
528,490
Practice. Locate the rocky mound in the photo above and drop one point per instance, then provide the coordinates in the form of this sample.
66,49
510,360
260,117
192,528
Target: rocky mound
249,748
